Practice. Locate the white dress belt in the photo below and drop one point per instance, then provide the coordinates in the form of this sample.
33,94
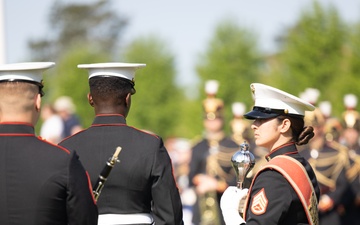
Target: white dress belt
118,219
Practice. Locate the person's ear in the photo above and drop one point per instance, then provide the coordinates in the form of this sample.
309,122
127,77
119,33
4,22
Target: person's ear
38,102
90,99
128,100
285,125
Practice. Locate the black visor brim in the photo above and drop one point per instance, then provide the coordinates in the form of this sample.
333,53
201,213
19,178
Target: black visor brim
258,113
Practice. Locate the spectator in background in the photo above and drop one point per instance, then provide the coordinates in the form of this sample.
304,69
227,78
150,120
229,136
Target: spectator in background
52,127
66,109
180,153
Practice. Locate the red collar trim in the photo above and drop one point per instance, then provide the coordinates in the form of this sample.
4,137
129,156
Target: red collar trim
17,123
273,152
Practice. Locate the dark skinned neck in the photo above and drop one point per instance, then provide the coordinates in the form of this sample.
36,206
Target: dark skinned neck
111,110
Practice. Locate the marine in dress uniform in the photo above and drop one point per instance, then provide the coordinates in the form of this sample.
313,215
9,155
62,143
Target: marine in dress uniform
285,190
141,189
41,183
210,168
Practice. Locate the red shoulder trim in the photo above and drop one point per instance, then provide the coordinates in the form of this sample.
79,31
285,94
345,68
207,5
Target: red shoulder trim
58,146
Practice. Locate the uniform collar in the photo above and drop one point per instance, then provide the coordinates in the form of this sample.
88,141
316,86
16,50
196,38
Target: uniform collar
109,119
16,128
286,149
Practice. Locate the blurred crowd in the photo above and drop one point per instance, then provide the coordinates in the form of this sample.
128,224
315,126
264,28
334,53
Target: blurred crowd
59,120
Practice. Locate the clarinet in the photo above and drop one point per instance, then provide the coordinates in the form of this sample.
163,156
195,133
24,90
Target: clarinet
105,173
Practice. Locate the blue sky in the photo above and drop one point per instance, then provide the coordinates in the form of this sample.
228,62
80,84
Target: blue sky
185,25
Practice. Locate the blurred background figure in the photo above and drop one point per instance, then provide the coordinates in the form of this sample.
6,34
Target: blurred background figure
180,153
66,109
350,138
210,166
311,95
240,127
241,131
351,120
325,108
332,125
52,127
329,159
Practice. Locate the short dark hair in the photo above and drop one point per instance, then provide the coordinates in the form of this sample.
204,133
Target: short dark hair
106,89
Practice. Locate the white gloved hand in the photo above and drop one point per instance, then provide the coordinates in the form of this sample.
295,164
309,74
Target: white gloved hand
229,204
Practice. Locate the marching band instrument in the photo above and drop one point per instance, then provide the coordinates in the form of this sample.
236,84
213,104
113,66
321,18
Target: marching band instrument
105,173
242,161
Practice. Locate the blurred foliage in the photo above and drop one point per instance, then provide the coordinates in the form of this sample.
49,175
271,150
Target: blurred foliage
312,51
159,104
233,59
96,24
319,50
349,81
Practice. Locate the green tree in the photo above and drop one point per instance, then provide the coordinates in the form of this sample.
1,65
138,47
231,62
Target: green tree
349,81
157,104
233,59
95,24
312,52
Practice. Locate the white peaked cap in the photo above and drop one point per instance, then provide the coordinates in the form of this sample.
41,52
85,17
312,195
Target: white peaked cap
312,94
350,101
238,108
26,71
325,108
271,102
211,87
123,70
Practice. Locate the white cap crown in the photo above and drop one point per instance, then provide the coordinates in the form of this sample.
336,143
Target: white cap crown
123,70
26,71
350,101
238,108
325,108
211,87
312,95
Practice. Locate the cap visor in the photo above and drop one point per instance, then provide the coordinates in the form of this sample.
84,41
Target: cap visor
255,114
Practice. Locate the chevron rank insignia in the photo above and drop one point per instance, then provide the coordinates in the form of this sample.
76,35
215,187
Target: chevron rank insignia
259,203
